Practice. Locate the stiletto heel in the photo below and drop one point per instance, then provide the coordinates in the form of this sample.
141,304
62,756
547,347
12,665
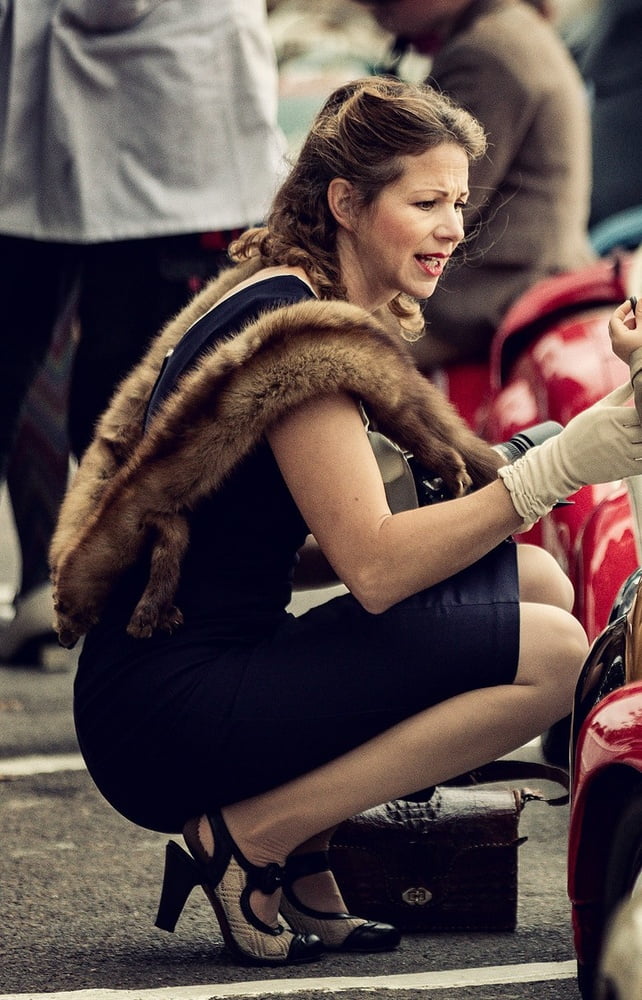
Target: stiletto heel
228,880
180,877
337,931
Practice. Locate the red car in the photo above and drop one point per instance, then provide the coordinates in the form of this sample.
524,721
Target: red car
605,837
551,358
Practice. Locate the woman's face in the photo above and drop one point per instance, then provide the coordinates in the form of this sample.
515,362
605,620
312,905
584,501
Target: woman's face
402,241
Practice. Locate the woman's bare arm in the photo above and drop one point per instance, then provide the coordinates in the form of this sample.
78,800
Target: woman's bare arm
324,455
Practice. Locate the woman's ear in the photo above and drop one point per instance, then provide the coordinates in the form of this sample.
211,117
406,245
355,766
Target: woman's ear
341,201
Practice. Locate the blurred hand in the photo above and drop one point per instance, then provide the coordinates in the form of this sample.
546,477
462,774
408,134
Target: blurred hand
625,333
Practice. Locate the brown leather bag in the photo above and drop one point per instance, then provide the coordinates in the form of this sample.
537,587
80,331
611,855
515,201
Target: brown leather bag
444,862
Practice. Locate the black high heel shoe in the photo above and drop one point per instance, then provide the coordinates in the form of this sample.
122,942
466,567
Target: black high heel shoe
228,879
337,931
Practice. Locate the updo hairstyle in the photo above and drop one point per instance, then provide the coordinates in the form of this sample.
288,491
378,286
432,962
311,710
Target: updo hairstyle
361,134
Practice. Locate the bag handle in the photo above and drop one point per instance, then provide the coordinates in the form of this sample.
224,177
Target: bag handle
507,770
517,770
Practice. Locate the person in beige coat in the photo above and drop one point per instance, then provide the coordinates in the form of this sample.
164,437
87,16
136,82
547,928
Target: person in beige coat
530,194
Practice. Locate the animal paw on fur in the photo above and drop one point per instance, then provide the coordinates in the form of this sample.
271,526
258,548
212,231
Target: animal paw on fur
69,630
171,618
456,477
70,625
147,618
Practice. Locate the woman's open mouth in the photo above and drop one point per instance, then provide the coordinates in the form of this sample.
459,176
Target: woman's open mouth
431,265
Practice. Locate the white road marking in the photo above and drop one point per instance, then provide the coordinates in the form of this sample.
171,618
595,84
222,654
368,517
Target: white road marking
20,767
499,975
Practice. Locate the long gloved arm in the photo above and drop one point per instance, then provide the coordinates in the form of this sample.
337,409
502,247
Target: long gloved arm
599,445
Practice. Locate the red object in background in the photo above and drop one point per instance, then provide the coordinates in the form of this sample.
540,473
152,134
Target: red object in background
605,556
604,846
550,359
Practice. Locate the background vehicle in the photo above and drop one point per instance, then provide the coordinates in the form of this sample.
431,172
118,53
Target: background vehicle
605,834
550,358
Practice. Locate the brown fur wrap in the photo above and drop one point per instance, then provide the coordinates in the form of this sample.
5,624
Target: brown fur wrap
135,491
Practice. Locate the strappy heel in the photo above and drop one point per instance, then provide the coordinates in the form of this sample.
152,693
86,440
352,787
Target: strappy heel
337,931
228,880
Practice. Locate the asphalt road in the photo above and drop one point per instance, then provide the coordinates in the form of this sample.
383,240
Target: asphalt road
79,889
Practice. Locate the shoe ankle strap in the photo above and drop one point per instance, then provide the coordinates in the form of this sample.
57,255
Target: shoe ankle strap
299,865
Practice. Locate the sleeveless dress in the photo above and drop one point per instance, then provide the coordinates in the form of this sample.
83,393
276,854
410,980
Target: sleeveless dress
244,696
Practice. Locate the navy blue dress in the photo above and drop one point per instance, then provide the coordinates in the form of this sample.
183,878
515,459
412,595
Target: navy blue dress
245,696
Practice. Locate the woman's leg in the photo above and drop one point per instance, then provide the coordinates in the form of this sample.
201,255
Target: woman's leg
38,468
436,744
541,579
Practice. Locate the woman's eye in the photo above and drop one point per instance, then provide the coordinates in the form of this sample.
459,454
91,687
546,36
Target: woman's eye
460,205
425,205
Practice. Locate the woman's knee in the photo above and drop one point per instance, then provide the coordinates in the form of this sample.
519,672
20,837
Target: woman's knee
553,646
541,578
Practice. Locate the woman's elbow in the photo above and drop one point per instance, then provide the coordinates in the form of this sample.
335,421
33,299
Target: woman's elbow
372,591
373,574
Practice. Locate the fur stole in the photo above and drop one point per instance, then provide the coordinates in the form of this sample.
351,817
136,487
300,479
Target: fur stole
134,491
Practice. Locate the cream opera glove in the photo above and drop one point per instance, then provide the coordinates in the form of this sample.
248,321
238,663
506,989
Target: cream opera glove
599,445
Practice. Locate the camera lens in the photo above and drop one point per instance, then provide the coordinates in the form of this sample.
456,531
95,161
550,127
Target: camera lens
519,444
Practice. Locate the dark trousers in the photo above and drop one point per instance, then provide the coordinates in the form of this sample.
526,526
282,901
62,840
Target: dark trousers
54,388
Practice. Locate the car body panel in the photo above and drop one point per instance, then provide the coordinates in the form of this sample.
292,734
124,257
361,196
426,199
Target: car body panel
607,767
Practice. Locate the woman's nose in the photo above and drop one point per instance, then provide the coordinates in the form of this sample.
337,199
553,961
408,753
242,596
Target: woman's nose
451,234
451,227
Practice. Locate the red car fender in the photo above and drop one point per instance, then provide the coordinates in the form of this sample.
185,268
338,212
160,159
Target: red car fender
607,762
605,555
551,300
566,369
554,337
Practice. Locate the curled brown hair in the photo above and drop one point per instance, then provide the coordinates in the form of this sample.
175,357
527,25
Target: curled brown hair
361,134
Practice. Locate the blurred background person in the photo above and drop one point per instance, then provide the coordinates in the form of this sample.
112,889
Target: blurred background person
36,479
505,61
137,139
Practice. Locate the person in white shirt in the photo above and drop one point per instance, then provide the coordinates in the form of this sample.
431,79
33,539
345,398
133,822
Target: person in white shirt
137,138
